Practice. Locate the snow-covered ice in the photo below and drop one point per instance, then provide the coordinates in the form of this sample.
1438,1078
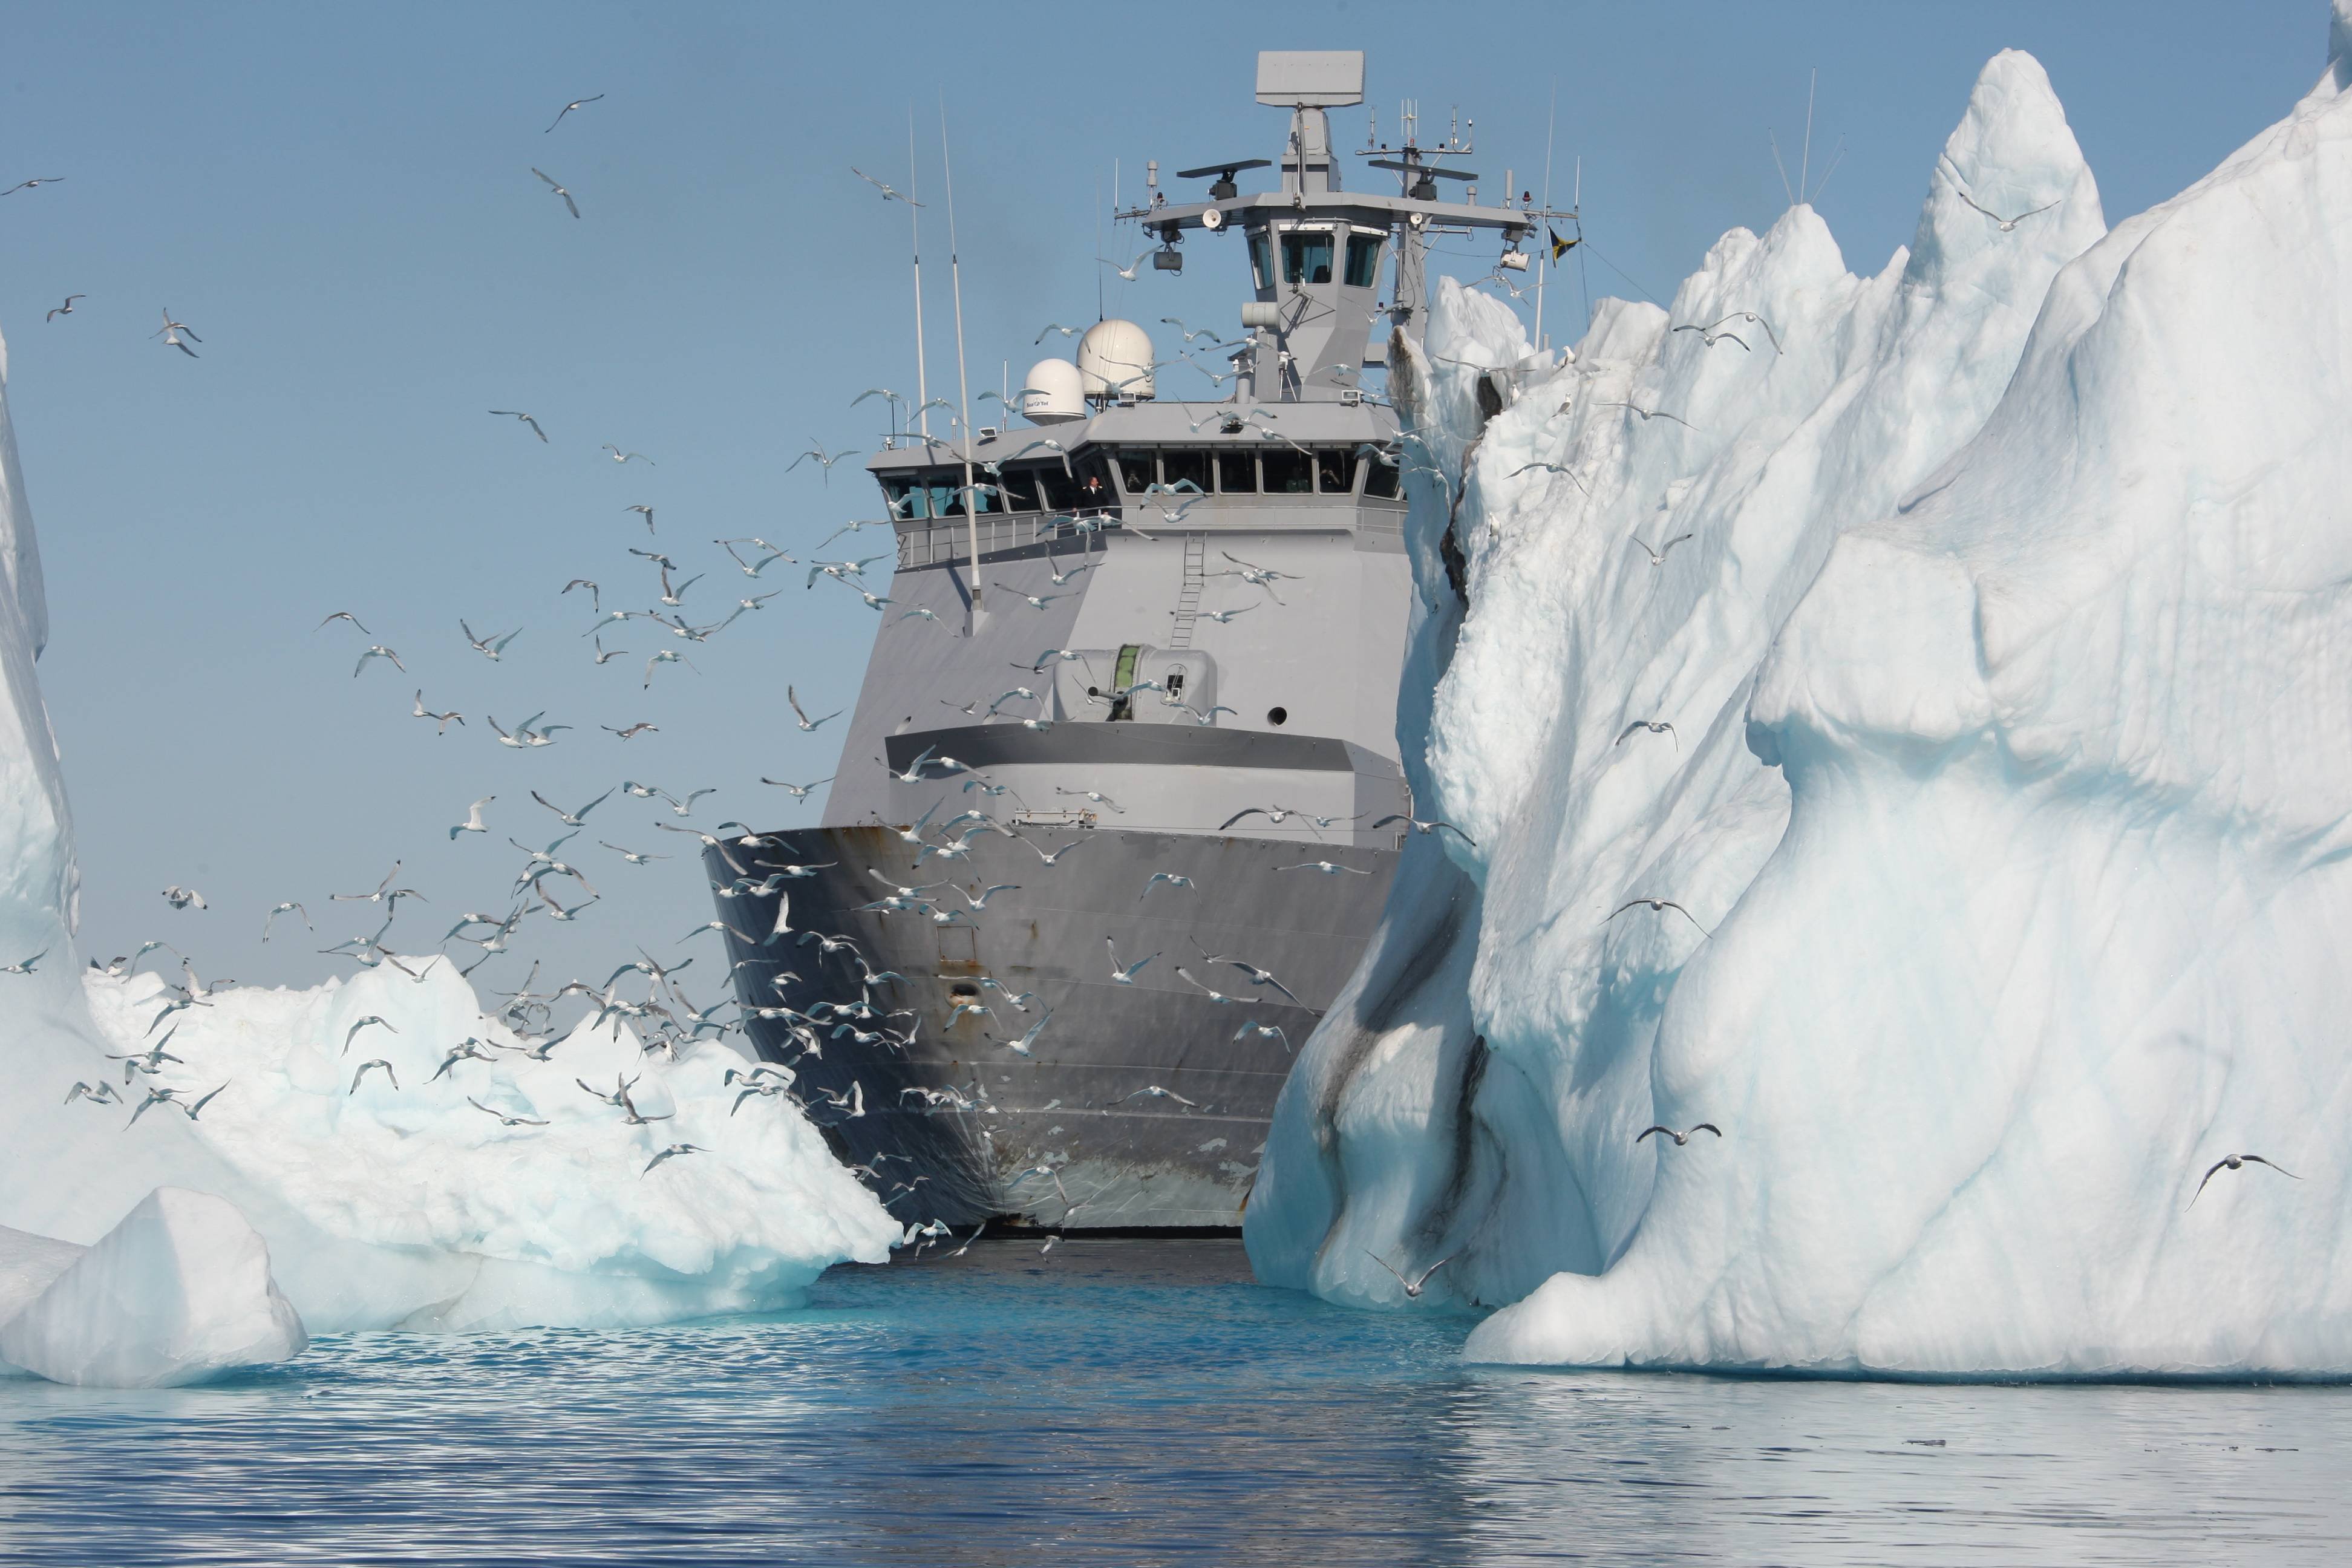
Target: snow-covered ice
379,1207
178,1293
2004,648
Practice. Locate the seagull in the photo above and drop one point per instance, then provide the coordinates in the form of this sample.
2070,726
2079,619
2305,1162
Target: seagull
490,646
171,334
515,414
1156,1092
355,1029
1414,1285
473,823
2008,225
1124,976
1095,796
1654,726
1748,316
632,856
29,184
1127,271
1170,877
807,724
667,656
1210,991
1551,469
66,308
672,1152
1418,825
799,791
1265,1031
825,460
25,965
468,1050
1257,976
1327,867
2227,1162
1225,618
1055,856
276,910
104,1093
604,656
505,1119
558,190
179,898
620,457
986,893
642,727
1057,327
524,735
378,651
1658,557
1658,906
446,719
1710,337
1649,414
1682,1138
1025,1046
567,108
890,193
342,616
374,897
571,818
648,512
378,1062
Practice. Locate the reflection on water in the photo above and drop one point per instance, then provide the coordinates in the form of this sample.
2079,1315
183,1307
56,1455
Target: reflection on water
1133,1403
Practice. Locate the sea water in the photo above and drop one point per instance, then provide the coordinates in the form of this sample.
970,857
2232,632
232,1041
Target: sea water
1134,1401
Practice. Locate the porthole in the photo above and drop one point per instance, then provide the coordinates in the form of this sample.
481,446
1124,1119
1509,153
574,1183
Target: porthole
1277,716
963,988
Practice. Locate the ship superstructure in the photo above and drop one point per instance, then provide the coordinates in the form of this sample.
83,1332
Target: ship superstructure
1104,838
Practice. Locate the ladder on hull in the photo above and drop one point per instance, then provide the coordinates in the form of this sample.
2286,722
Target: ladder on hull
1188,598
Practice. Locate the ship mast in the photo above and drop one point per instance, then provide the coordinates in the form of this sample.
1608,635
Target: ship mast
963,392
915,214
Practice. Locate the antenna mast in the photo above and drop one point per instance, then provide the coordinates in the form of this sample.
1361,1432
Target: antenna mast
1550,119
922,391
963,395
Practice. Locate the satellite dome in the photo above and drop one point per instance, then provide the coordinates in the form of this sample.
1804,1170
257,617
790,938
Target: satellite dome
1053,392
1114,361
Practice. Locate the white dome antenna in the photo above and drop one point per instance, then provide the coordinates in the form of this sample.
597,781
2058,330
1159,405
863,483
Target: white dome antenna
1114,361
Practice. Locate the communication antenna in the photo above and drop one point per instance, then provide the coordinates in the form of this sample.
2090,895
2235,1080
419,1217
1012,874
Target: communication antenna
1805,163
1549,120
963,394
922,390
1100,311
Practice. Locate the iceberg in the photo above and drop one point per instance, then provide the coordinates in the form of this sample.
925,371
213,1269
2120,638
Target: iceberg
1999,843
178,1293
376,1206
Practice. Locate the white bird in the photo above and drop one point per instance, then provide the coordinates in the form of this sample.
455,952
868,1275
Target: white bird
66,308
104,1093
23,966
378,1062
825,460
171,336
370,1019
1654,726
806,723
1265,1031
567,108
988,892
571,818
342,616
2227,1162
490,646
642,727
1170,877
558,190
1418,825
1026,1045
506,1119
518,414
1095,796
1156,1092
1710,337
276,910
1682,1138
445,720
799,791
1127,271
672,1152
1413,1287
1649,414
1124,974
1658,557
1210,992
2007,225
890,193
473,823
620,457
378,651
1658,906
1054,857
1327,867
179,898
1057,327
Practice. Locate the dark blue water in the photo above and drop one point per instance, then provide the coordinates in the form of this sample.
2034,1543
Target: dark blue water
1134,1403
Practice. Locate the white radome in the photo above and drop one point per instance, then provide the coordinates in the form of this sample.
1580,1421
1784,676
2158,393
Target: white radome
1053,392
1115,360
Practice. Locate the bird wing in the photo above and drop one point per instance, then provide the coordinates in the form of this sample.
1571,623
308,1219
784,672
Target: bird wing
1707,1127
1647,1131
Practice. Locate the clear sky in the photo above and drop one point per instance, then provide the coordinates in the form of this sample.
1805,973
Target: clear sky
339,201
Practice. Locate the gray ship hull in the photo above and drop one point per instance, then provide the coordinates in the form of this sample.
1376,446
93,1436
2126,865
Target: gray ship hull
956,1123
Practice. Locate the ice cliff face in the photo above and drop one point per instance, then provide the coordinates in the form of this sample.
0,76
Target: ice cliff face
2002,624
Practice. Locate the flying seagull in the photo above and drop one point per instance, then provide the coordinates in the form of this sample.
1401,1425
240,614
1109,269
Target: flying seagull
2008,225
567,108
513,413
1658,557
890,193
1658,906
1654,726
558,190
1682,1138
1414,1285
66,308
2227,1162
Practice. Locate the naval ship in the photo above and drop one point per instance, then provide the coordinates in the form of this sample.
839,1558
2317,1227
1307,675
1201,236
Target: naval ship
1115,813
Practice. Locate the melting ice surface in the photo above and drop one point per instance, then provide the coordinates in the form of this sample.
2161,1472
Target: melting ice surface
2000,605
1132,1403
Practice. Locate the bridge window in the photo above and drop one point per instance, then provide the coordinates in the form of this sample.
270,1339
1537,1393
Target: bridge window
1237,473
905,498
1288,472
1020,490
1307,257
1058,490
1177,468
1335,471
1381,479
1363,261
1135,469
1261,261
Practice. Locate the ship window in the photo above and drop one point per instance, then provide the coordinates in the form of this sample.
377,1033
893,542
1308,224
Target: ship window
985,497
1261,261
1363,261
1095,492
1179,467
1059,490
1135,469
1287,473
1237,473
1335,471
1020,490
1381,480
1307,257
941,486
905,498
1278,717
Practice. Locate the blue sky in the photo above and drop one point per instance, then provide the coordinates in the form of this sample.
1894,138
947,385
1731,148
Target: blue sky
339,201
